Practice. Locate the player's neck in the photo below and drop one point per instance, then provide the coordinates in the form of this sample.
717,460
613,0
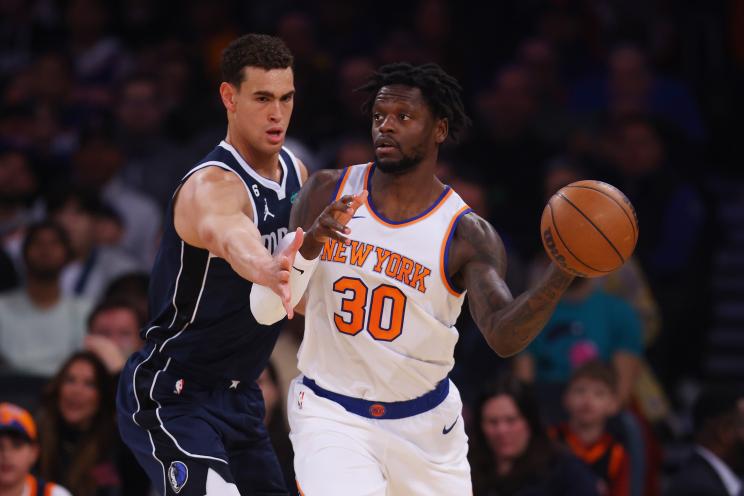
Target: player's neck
401,196
588,433
266,165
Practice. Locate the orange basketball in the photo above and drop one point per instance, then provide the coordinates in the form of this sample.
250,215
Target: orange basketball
589,228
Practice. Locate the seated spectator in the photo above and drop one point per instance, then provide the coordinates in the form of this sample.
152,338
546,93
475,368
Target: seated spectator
587,324
114,333
719,451
19,451
512,454
80,445
131,287
591,399
93,266
39,326
276,422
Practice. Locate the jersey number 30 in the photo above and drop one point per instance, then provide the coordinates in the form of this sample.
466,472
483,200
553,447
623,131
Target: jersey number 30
358,312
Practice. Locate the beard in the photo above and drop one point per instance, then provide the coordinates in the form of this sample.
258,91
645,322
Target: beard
44,274
405,164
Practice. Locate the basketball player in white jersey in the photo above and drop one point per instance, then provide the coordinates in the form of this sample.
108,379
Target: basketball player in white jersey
374,412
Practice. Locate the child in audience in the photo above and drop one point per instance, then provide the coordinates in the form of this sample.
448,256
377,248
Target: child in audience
19,450
590,400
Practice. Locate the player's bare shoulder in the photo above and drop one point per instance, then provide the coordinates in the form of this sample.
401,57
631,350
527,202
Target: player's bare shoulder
211,190
475,246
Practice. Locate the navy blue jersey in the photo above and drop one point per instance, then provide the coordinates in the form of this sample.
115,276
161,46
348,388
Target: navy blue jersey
200,306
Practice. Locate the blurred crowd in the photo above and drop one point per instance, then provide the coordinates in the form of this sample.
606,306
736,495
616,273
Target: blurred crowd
105,105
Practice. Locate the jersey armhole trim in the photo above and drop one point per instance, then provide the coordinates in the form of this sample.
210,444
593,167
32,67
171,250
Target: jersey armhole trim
296,163
338,192
226,167
444,256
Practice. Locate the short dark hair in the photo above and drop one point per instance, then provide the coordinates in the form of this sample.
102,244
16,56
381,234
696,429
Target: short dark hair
253,50
86,199
33,231
115,304
598,371
441,91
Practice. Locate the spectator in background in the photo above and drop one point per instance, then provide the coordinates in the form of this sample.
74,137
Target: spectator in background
96,166
93,266
19,451
671,246
587,324
39,325
512,454
132,287
714,467
140,115
80,445
591,399
506,154
114,333
97,55
276,423
630,87
18,190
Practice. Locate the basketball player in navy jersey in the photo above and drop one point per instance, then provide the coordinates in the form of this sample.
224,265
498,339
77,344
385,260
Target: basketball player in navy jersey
374,412
188,404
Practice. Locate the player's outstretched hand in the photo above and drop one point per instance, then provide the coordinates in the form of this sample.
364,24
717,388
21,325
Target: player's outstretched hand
332,224
284,260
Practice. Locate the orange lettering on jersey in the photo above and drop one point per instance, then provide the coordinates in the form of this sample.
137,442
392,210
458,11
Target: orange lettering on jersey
382,255
417,281
328,249
392,266
404,272
340,255
359,252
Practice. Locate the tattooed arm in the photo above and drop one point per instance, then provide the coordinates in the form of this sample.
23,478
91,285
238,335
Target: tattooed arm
478,265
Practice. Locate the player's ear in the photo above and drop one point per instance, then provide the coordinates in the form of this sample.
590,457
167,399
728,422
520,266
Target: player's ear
441,130
228,94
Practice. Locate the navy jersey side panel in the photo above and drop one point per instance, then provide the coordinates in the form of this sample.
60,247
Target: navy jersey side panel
200,306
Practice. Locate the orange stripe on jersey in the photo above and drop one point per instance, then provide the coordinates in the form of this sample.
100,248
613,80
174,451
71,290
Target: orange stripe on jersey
32,485
431,210
443,252
49,488
299,488
616,458
344,177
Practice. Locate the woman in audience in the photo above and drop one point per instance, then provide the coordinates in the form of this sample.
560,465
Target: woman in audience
512,454
80,445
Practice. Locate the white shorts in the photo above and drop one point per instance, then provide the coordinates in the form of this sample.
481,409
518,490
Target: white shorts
338,453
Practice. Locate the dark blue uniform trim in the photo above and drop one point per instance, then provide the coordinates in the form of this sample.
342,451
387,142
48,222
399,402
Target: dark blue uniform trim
381,409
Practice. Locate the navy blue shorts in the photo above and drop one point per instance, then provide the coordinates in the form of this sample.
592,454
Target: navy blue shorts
179,429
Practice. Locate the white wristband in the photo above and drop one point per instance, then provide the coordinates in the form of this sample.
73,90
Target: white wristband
266,305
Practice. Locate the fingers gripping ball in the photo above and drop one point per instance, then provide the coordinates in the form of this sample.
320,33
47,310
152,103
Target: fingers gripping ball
589,228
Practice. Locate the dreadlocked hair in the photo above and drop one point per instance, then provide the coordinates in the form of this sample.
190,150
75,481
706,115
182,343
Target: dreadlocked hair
440,91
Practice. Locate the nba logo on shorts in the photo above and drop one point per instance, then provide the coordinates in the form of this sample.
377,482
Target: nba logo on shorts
179,386
178,474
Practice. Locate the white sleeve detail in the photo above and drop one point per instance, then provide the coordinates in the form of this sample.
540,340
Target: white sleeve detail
266,305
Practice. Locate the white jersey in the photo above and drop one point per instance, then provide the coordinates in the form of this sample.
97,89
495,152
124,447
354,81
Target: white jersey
380,315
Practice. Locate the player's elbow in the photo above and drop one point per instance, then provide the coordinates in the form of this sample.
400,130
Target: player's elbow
503,347
504,351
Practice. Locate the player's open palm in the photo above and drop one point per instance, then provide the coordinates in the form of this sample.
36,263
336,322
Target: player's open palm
332,221
283,259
